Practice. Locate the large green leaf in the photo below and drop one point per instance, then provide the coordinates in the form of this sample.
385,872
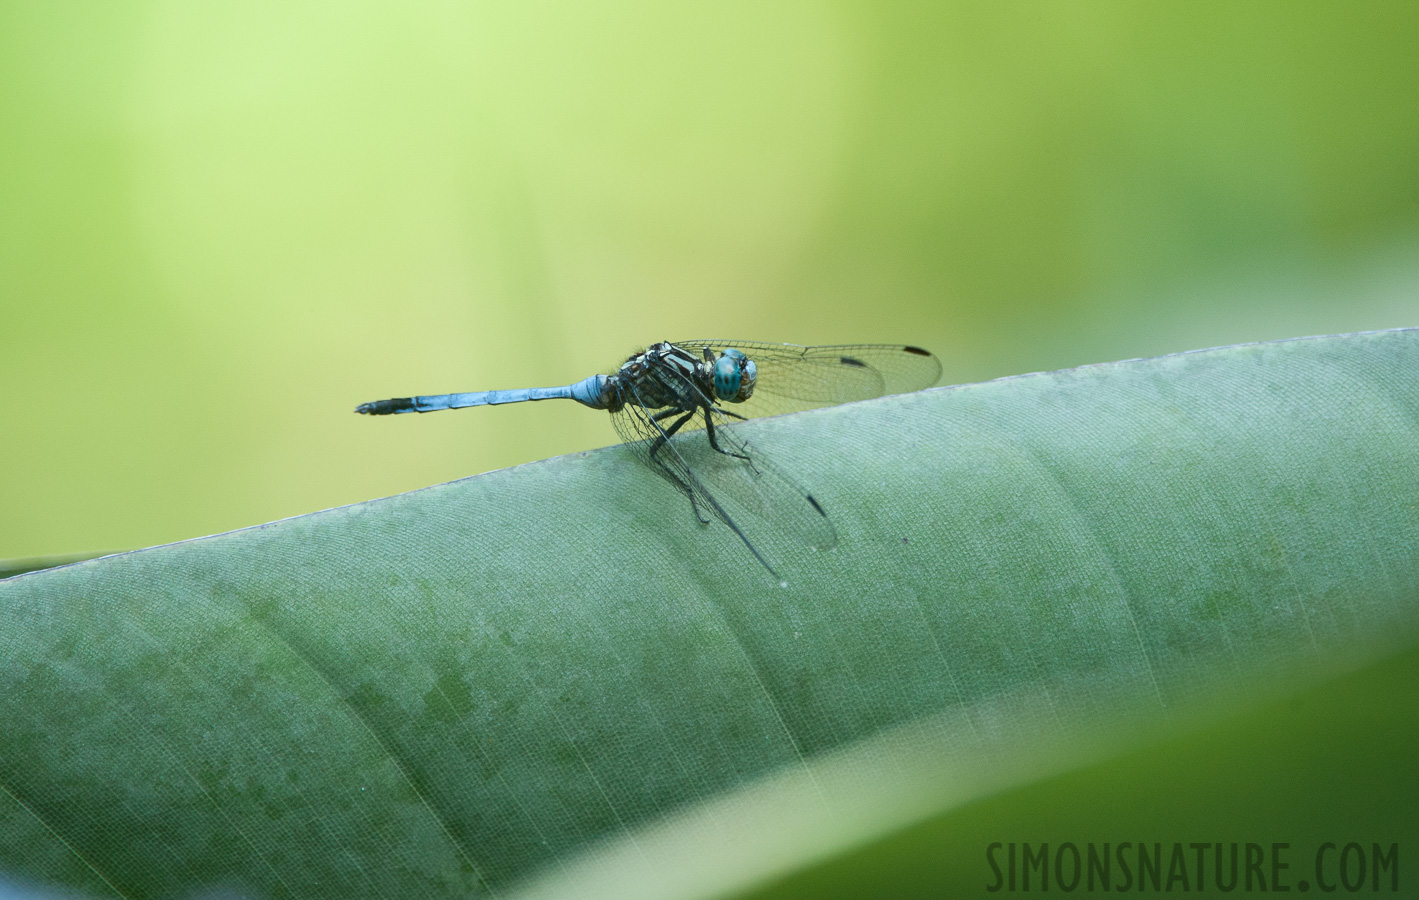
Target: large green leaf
1333,763
553,677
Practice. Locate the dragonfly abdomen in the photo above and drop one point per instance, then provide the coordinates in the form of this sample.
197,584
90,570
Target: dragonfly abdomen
588,392
387,407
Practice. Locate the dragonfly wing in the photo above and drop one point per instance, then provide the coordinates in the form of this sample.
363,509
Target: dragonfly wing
722,482
793,377
643,433
746,477
661,450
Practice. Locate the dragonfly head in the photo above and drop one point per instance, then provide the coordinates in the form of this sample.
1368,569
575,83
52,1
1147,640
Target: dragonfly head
734,376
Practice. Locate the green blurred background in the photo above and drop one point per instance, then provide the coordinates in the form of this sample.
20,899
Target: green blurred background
223,225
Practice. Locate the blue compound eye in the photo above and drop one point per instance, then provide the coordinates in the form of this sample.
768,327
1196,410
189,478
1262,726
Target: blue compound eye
726,375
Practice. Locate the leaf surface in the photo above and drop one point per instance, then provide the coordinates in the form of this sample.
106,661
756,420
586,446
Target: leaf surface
553,677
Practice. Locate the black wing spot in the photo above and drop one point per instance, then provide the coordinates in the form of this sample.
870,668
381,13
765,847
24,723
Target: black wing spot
850,361
814,502
917,350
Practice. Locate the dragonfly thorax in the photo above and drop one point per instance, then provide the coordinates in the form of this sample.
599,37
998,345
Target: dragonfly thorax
667,375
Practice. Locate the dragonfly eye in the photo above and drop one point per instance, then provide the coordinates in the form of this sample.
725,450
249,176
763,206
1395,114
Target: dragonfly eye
726,376
734,375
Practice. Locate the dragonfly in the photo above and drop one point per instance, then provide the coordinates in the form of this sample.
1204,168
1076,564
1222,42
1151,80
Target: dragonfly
658,398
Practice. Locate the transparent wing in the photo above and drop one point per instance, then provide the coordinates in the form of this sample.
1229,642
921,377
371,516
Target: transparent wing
649,434
733,480
751,482
793,377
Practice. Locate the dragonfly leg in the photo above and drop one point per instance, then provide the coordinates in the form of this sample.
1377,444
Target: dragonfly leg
661,441
667,433
719,510
714,442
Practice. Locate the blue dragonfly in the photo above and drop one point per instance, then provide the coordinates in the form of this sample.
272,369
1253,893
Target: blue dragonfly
659,396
